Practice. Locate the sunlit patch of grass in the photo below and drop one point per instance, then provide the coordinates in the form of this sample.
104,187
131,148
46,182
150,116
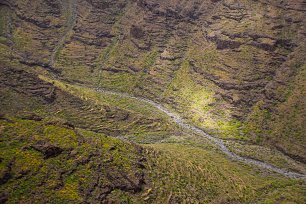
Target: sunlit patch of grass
108,99
183,173
124,82
70,190
198,104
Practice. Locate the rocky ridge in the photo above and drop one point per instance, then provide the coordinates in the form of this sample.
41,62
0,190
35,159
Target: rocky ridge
234,68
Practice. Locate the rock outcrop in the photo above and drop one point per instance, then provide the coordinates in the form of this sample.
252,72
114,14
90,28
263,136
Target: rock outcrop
244,54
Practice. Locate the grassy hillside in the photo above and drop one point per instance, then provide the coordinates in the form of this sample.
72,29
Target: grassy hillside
44,162
235,69
78,106
226,66
184,173
177,165
55,163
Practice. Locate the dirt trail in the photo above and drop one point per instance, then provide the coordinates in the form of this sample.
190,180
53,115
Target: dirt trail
69,26
219,142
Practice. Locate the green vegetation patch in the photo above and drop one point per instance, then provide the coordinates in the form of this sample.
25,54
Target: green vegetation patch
42,162
183,173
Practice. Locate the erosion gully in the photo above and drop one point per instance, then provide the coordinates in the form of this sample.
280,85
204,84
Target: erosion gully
218,142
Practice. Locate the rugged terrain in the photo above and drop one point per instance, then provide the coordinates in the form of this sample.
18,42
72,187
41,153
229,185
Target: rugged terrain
234,69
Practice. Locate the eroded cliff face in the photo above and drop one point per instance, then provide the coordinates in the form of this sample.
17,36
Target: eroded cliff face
235,68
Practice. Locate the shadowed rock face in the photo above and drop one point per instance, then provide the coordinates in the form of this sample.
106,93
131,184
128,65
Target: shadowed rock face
247,53
26,83
48,150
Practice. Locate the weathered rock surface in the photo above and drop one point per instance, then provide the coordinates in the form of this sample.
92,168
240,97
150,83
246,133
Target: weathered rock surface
26,83
246,52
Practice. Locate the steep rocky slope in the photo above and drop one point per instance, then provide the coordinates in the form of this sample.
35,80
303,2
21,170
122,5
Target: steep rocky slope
24,93
234,68
53,150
